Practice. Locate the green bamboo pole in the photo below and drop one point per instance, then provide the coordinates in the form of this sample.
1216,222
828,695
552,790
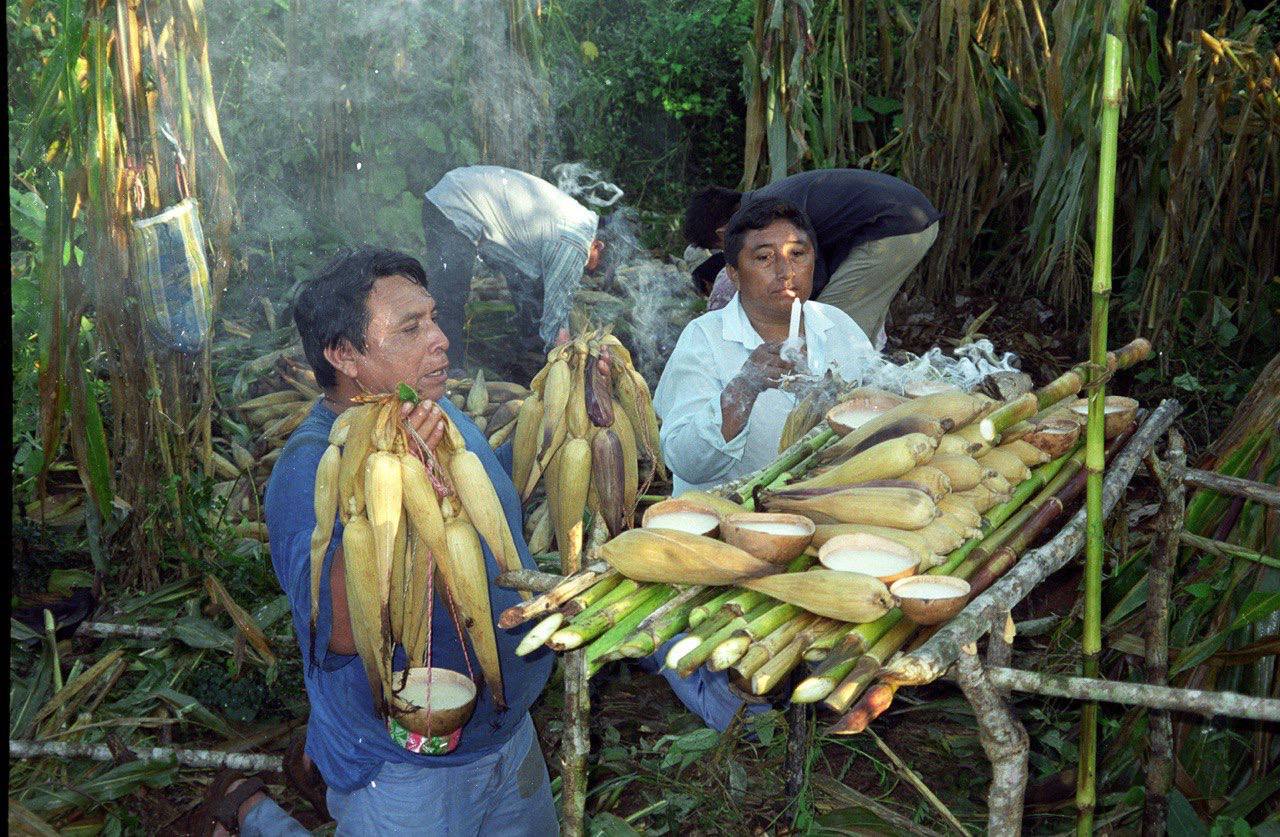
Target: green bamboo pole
702,612
763,649
732,649
699,655
1095,462
660,626
624,627
592,623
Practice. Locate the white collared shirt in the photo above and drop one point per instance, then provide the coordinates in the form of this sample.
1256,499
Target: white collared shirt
710,352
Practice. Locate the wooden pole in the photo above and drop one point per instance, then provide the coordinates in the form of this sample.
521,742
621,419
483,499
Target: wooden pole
1003,739
1164,556
1091,644
204,759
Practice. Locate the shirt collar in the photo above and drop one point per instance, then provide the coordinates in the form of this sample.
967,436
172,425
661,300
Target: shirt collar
736,327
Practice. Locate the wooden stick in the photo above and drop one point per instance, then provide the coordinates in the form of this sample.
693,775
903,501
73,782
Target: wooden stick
1198,701
1235,486
1003,739
1164,557
205,759
929,661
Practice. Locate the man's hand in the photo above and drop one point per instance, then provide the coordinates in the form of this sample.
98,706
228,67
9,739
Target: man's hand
762,370
426,419
765,367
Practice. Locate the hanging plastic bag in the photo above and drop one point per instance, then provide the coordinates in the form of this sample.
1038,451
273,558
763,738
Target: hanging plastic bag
167,252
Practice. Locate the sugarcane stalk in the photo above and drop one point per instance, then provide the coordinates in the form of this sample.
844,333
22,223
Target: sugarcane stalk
609,640
744,494
700,653
587,627
761,651
867,668
821,647
731,650
591,595
712,606
552,599
539,634
620,591
1091,643
659,626
780,664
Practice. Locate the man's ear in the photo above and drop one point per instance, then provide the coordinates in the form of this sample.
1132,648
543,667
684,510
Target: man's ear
732,272
343,357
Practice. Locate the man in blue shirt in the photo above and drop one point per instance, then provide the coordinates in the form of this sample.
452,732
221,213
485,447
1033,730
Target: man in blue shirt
367,324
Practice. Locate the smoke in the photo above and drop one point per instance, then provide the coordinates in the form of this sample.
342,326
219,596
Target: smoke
586,184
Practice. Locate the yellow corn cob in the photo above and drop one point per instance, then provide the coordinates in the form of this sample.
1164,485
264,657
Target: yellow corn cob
326,509
1027,453
940,537
500,436
399,600
983,498
1007,465
999,485
849,597
479,498
961,509
966,441
555,399
930,479
524,453
478,397
962,470
467,580
952,522
899,507
271,399
540,537
360,572
572,481
887,460
959,408
354,453
720,505
608,478
384,489
673,557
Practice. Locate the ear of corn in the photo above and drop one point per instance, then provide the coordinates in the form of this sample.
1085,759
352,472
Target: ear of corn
630,463
478,396
982,497
961,509
555,398
930,479
608,478
899,507
940,537
887,460
575,416
326,509
679,558
384,489
880,430
399,601
467,580
360,574
963,471
479,498
849,597
912,539
572,481
540,538
354,453
527,436
599,392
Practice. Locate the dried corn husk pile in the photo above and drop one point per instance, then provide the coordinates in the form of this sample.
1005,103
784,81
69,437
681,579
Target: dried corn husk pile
591,440
410,516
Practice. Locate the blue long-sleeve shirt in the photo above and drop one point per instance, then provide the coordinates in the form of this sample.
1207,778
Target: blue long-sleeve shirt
345,738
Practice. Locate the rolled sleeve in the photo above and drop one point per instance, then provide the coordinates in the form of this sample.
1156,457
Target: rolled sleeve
688,402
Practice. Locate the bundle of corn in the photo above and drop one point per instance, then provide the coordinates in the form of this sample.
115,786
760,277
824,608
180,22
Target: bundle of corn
884,480
492,405
410,515
586,435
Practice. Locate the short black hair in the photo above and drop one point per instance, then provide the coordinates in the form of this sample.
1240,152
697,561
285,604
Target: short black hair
756,216
709,209
331,307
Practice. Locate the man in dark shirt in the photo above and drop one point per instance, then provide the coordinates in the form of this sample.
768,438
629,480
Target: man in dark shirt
872,230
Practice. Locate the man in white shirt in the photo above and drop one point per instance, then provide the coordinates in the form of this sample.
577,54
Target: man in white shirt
719,398
535,235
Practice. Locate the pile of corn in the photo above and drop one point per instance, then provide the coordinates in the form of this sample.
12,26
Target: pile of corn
410,516
921,473
590,438
951,474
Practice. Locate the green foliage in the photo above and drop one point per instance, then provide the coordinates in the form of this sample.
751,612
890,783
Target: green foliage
650,91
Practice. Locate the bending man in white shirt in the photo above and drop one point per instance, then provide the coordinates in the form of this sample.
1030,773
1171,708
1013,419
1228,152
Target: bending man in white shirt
719,399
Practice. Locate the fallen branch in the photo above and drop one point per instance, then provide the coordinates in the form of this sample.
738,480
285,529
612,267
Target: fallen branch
928,662
205,759
1235,486
534,581
110,630
1003,739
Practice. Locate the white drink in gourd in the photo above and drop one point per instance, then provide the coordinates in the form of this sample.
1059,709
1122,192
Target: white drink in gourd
929,590
772,527
695,523
922,388
867,561
445,694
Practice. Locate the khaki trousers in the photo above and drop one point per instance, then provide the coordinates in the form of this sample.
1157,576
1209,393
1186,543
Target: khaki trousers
865,283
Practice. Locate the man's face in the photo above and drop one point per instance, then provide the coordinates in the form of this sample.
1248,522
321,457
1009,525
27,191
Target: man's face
403,343
774,269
